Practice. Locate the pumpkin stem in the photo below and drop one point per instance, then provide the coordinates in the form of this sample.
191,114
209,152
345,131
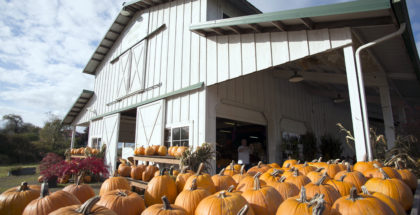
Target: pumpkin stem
295,172
242,169
386,176
275,173
282,179
44,190
243,210
298,162
183,169
193,184
302,195
257,185
365,190
336,161
376,165
259,164
86,208
342,178
222,172
314,160
162,171
80,178
121,193
353,194
319,208
288,165
305,164
23,186
321,180
232,164
166,203
222,194
348,167
230,189
319,159
200,168
319,169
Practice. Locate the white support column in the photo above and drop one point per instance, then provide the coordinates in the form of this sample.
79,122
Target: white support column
73,134
387,115
356,105
210,135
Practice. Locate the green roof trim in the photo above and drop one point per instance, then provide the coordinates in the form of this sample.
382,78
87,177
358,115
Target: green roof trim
325,10
176,92
400,10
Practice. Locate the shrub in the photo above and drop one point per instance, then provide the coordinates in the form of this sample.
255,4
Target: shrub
49,160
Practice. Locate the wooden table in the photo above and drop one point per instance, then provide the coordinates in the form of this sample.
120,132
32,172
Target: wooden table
158,159
78,156
137,183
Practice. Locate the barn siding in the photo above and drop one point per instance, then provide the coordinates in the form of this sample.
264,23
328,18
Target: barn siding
277,99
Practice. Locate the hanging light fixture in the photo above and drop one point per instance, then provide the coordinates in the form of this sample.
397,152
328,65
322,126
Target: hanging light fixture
124,11
295,78
339,99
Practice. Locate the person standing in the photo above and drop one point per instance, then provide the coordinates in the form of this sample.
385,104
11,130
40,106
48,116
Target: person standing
243,153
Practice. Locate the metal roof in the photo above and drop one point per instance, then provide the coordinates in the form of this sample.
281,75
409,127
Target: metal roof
348,14
78,106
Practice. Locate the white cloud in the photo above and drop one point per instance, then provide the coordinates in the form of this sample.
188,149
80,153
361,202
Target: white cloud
43,46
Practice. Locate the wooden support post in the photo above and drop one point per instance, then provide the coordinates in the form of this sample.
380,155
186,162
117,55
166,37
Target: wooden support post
387,115
356,105
73,134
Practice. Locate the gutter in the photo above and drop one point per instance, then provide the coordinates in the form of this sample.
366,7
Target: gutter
361,85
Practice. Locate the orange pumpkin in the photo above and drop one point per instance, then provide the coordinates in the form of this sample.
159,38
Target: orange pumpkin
88,207
142,150
137,172
124,169
83,192
123,202
149,172
355,178
285,189
159,186
203,180
181,178
407,176
298,179
303,206
331,169
394,205
231,170
274,165
375,173
240,176
393,188
289,162
114,183
162,151
247,183
260,167
180,150
149,151
319,187
362,166
164,209
360,204
341,186
263,200
48,203
222,181
222,203
14,200
315,175
190,198
305,169
272,177
156,149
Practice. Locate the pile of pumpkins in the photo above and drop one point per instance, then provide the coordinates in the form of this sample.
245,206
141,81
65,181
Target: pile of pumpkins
175,151
83,150
291,189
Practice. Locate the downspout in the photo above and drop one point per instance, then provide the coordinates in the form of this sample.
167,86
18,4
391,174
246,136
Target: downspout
361,85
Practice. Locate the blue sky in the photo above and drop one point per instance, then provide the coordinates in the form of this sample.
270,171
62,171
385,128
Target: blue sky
44,45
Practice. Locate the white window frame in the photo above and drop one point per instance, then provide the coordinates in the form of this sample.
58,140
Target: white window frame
189,124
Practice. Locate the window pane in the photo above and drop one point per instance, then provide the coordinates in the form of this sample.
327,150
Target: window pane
185,132
185,143
176,134
167,135
176,143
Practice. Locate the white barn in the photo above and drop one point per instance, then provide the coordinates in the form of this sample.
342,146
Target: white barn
194,71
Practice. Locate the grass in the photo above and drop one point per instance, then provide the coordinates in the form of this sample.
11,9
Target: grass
7,182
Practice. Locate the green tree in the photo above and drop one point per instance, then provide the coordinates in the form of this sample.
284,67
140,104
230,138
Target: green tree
52,137
14,123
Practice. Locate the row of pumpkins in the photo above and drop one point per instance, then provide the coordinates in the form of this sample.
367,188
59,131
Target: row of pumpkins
293,189
175,151
83,150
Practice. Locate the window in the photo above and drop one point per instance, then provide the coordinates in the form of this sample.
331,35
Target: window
96,143
291,145
177,136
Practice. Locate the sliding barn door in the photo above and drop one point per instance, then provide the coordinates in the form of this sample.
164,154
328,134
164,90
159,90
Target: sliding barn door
110,132
150,124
